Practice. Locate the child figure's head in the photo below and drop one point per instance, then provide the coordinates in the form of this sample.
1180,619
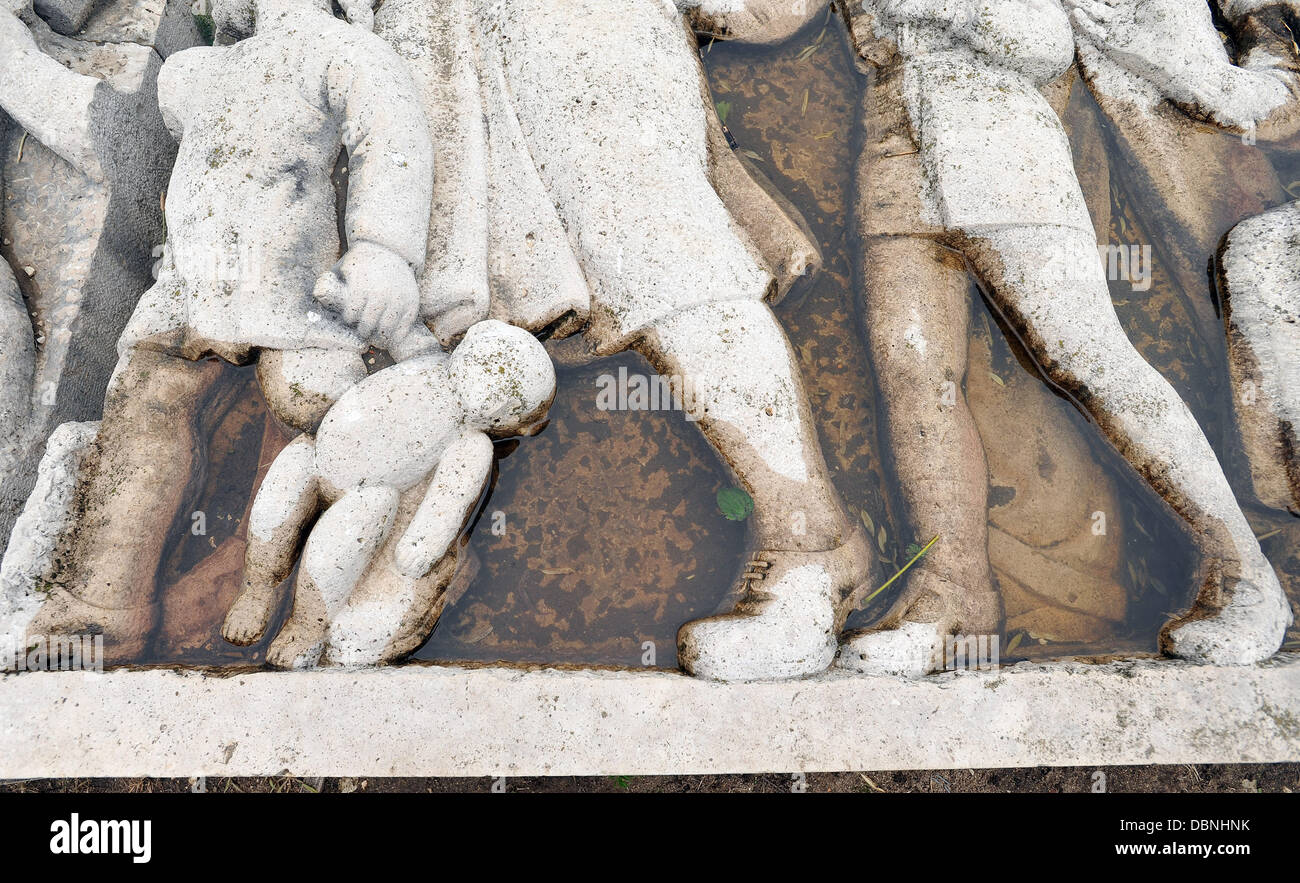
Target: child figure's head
503,376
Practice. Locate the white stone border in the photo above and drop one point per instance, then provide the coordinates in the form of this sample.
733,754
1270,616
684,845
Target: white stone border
443,720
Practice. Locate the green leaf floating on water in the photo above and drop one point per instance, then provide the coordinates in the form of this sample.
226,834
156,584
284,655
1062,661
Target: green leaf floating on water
723,108
735,503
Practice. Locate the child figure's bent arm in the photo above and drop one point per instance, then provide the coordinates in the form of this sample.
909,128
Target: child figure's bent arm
448,503
390,154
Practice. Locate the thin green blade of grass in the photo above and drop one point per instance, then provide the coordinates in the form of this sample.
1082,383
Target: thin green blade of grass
902,570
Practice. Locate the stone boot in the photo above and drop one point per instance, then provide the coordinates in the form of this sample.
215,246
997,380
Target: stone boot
787,622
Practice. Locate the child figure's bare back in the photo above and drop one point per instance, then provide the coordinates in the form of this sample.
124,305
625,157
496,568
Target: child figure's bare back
390,430
400,462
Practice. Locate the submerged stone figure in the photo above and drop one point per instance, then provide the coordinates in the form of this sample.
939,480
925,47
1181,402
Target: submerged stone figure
251,272
83,159
600,196
1159,72
1173,53
376,451
965,163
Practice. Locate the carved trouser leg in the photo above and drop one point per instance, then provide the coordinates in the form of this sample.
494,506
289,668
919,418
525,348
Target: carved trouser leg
917,315
1261,292
811,564
756,416
1066,319
17,363
137,479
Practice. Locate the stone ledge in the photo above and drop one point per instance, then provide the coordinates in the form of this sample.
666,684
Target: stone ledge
420,720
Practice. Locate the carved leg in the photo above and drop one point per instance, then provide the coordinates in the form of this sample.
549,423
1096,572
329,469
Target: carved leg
286,501
1068,322
340,549
17,365
810,561
917,316
138,479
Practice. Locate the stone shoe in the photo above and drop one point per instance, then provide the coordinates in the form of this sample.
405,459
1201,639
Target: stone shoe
1248,626
787,622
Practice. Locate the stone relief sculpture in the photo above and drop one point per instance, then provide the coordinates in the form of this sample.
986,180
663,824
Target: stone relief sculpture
636,241
488,205
85,161
1175,61
1162,77
376,452
251,272
957,102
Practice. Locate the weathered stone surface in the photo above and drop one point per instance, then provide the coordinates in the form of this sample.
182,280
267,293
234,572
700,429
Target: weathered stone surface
1261,294
28,558
82,210
753,21
1192,182
396,469
1056,574
969,77
65,16
450,721
166,25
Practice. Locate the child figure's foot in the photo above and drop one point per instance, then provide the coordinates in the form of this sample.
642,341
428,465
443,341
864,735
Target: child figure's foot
126,630
299,645
1246,629
914,647
249,616
788,619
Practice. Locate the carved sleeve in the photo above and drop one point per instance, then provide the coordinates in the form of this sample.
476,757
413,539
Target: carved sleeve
390,155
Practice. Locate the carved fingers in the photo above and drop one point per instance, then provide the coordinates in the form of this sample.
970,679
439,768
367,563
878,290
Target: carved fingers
373,290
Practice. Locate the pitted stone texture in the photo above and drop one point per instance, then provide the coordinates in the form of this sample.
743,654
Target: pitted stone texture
752,21
1261,292
83,179
1170,49
399,465
166,25
252,234
28,557
451,721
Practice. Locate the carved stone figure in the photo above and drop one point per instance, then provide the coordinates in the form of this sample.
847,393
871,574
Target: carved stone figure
376,451
1160,72
84,163
600,196
966,164
251,272
1161,68
1261,293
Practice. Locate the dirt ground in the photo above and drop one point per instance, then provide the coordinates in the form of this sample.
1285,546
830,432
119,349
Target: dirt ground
1185,778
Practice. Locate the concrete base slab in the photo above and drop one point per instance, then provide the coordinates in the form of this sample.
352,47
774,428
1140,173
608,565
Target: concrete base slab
443,720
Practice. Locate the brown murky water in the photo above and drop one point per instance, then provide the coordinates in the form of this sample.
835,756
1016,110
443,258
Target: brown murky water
602,535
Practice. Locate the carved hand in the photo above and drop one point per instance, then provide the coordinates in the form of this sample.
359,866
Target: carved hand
373,289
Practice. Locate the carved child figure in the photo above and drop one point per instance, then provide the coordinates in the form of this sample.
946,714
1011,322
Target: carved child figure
251,273
415,435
